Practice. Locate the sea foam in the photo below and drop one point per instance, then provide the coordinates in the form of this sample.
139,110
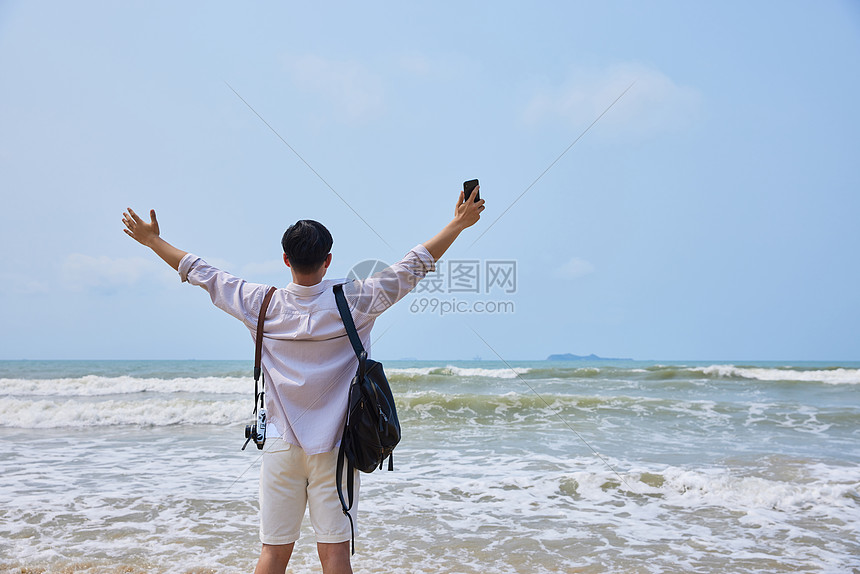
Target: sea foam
93,386
57,413
462,372
839,376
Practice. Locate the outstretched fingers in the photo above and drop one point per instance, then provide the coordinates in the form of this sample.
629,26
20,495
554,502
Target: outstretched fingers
127,220
137,228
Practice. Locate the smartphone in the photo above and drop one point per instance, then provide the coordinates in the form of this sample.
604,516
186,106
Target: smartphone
469,187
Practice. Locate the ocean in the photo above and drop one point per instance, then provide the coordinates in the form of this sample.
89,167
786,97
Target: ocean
533,467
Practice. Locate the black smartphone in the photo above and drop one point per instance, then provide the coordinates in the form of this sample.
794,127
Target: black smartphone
469,187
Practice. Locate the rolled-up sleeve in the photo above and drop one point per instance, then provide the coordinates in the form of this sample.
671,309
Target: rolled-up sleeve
185,265
229,293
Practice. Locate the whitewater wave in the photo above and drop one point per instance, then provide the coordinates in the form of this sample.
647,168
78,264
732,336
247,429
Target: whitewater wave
835,376
72,413
94,386
716,487
452,371
456,409
681,373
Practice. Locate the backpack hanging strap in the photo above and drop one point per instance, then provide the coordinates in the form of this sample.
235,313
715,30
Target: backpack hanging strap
348,323
342,460
346,503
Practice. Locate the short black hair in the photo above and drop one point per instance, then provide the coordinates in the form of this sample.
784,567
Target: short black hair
306,244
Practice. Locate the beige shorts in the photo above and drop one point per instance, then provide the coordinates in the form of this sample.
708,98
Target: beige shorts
290,481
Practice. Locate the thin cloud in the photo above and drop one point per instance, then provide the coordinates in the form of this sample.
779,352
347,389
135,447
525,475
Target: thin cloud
656,104
417,65
575,268
449,67
81,272
355,93
19,284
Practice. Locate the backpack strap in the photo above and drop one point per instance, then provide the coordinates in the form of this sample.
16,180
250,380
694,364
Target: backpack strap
342,460
346,503
348,323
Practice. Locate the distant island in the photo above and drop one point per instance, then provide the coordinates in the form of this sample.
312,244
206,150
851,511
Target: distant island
591,357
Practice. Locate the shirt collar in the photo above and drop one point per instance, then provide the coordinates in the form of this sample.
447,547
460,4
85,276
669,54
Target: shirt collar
308,290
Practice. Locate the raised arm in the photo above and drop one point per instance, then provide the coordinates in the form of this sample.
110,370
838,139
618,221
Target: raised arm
148,234
466,214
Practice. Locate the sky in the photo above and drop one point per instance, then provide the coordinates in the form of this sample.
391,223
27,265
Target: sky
664,180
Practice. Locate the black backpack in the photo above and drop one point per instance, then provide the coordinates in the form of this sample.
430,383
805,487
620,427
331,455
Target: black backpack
371,430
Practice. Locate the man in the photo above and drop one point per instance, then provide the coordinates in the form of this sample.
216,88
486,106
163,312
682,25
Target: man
308,364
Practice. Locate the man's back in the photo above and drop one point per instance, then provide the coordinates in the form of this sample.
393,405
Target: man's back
307,359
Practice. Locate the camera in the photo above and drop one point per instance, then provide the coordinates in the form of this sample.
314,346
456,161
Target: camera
257,431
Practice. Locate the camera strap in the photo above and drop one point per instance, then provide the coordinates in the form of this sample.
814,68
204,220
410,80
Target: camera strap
258,353
260,387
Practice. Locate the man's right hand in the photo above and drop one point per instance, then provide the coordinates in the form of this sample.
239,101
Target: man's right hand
467,213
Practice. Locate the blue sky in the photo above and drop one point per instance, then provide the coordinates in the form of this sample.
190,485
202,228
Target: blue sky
710,214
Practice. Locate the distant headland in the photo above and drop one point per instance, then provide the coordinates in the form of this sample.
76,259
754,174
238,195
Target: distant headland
591,357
